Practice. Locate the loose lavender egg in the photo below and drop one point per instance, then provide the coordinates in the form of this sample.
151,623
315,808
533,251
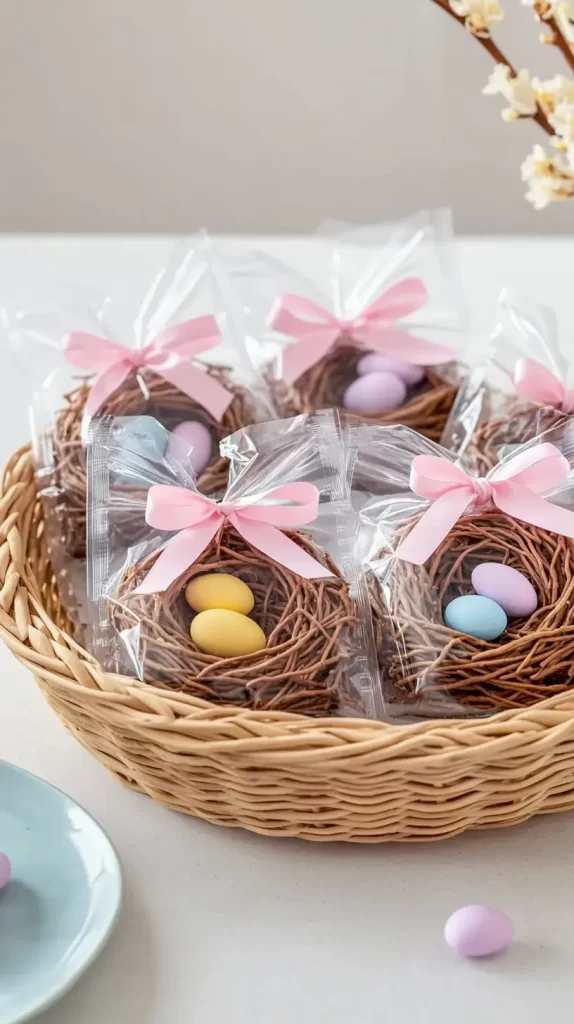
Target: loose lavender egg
374,363
375,392
505,585
5,870
478,931
191,441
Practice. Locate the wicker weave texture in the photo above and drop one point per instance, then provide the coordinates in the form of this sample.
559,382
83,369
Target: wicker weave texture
278,774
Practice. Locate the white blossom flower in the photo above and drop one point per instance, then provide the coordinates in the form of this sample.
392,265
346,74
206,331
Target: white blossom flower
517,90
554,91
556,97
548,179
479,15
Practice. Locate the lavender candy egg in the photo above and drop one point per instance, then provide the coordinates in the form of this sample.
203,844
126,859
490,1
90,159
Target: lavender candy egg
5,870
375,392
191,442
505,585
374,363
478,931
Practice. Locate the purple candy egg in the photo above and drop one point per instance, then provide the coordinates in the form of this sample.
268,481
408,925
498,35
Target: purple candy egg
192,442
375,392
507,586
5,870
478,931
374,363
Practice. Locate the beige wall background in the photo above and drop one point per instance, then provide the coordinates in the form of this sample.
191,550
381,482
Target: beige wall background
257,115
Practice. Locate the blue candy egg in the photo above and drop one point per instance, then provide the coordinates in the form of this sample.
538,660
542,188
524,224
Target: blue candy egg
476,616
141,440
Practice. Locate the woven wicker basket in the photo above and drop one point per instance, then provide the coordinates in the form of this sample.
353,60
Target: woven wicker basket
278,774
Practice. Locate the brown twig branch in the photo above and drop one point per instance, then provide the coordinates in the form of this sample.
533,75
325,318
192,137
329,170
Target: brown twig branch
558,39
488,44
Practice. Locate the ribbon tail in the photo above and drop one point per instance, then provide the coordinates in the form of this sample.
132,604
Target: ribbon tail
536,383
104,385
521,503
179,553
279,547
198,385
434,526
301,356
397,343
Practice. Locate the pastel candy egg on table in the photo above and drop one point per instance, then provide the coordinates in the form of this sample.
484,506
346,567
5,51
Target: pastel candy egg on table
375,363
226,634
507,586
191,442
477,930
375,393
219,590
476,616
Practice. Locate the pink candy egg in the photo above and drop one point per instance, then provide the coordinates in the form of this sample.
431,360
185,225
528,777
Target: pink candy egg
375,392
192,442
5,870
505,585
374,363
478,931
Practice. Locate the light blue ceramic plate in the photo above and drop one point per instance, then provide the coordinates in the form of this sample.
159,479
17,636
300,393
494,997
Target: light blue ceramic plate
64,897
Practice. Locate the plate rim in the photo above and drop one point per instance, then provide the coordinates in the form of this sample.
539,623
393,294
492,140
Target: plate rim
55,995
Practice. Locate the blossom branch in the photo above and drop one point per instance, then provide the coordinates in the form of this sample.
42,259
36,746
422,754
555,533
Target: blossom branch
547,12
483,36
560,40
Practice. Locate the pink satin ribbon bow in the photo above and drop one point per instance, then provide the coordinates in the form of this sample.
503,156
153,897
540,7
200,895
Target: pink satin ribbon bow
168,355
198,519
533,381
317,330
513,487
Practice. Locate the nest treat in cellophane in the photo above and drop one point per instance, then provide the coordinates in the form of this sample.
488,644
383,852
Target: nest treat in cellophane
304,666
517,388
423,549
180,360
309,596
144,393
426,662
377,331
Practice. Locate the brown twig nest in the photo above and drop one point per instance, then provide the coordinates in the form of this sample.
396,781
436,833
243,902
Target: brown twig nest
424,660
302,669
144,393
324,384
519,422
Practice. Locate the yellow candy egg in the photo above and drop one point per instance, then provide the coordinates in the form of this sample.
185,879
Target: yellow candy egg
226,634
219,590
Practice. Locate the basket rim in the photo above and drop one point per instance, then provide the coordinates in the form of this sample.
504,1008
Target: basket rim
265,737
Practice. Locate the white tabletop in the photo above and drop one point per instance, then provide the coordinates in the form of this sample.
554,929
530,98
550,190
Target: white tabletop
222,925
